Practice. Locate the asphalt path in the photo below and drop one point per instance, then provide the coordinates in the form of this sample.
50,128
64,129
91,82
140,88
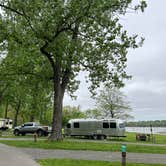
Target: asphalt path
95,155
10,156
27,156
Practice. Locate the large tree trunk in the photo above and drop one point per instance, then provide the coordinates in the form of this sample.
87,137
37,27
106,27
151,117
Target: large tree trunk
60,84
17,112
2,92
6,109
56,133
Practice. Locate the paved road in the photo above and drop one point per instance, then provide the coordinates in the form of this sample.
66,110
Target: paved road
95,155
17,156
10,156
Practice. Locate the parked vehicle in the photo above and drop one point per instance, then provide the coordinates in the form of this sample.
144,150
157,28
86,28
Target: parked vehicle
94,128
32,127
5,124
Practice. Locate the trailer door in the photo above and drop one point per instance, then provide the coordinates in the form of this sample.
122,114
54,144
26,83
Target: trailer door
105,128
113,129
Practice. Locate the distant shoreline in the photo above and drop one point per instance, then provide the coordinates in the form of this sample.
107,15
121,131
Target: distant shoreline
147,130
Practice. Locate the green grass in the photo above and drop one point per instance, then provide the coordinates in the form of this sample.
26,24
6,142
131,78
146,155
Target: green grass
75,145
130,137
71,162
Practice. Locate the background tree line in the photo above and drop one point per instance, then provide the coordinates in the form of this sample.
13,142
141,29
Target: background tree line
155,123
26,99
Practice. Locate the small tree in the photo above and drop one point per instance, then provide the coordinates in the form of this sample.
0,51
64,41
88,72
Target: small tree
93,113
71,113
23,89
112,104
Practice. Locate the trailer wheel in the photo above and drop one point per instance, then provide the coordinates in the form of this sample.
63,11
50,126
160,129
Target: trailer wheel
95,137
102,137
90,137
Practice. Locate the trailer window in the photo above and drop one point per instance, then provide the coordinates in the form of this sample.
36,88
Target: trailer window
112,125
76,125
68,125
105,125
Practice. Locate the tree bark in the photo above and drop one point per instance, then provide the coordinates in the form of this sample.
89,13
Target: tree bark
6,109
2,92
17,112
56,133
59,82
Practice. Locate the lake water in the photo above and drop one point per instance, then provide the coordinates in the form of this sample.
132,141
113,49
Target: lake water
155,130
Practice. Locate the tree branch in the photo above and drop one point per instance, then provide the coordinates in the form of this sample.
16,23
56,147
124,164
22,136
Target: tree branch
48,55
11,9
29,22
67,72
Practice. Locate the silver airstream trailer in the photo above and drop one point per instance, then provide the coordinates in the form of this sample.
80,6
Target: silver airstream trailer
95,128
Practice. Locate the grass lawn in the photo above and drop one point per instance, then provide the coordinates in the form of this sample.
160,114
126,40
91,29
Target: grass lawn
130,137
75,145
71,162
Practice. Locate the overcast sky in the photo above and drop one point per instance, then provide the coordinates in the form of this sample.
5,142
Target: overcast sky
147,65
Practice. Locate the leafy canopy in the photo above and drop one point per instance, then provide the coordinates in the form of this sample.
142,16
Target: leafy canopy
75,35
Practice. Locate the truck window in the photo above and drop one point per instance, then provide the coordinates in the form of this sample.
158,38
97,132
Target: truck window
105,125
28,124
112,125
68,125
76,125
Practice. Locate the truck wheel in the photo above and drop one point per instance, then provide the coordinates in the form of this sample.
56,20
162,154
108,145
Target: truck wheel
16,132
46,134
40,133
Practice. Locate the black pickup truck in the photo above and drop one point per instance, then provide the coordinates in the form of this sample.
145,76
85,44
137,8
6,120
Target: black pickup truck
32,127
